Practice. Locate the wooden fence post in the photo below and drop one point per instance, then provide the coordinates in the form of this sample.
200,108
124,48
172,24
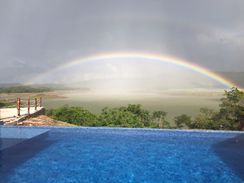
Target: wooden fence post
40,102
35,103
28,106
18,105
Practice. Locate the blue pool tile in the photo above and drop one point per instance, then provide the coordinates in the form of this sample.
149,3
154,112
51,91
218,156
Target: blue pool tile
126,155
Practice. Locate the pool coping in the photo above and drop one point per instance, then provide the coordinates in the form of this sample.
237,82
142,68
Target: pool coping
123,128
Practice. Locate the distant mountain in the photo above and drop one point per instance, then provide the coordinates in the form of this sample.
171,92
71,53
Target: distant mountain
236,77
185,80
33,87
6,85
70,86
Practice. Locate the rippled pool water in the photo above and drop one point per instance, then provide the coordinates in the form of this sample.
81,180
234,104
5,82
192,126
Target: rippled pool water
125,155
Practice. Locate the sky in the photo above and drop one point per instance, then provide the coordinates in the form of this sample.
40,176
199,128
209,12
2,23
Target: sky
40,35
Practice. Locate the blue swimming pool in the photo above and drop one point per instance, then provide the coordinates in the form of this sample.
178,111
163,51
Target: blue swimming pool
104,155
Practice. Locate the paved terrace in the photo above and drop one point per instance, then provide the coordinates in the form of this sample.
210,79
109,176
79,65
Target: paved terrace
9,115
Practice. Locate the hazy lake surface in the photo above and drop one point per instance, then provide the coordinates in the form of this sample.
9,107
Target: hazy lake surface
173,102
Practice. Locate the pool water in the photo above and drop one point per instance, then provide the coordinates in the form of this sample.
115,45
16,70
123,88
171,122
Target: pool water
104,155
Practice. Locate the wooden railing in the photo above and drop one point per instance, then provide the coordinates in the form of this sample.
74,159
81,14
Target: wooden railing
28,103
19,106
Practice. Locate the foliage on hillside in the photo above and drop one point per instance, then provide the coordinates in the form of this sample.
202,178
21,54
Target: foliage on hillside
132,116
2,104
227,118
24,89
74,115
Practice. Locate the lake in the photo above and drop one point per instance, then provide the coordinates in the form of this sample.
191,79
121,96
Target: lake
174,102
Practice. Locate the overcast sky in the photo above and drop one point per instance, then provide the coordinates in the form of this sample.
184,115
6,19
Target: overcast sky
36,35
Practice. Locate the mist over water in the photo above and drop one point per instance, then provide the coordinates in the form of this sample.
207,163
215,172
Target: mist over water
118,82
174,102
123,76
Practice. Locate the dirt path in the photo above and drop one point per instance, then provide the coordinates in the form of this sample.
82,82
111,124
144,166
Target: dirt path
43,120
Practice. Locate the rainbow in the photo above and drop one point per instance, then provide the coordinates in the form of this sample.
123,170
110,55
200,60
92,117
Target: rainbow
156,57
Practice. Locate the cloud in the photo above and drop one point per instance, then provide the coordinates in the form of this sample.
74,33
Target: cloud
45,34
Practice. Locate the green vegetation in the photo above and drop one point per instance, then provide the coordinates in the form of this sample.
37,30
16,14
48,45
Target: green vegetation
24,89
132,116
74,115
4,104
119,117
182,121
227,118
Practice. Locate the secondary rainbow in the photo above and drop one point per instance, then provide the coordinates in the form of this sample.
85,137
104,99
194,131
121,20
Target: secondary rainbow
156,57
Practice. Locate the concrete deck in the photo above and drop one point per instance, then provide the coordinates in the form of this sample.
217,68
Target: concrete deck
12,112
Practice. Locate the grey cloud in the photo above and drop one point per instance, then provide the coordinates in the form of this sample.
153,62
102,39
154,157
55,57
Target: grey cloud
45,34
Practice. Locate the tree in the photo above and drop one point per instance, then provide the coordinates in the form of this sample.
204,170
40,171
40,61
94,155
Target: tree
119,117
228,117
74,115
183,120
145,118
231,109
205,120
132,116
142,114
158,118
135,108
